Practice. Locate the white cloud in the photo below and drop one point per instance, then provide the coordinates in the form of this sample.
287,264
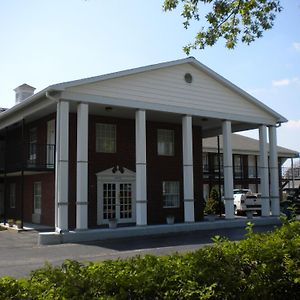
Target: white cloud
285,82
296,46
292,124
282,82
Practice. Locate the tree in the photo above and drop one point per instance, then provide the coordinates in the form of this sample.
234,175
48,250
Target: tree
233,20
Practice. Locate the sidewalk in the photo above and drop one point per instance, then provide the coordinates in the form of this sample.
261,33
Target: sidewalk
52,238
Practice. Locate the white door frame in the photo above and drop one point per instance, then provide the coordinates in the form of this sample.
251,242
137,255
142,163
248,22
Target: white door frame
115,176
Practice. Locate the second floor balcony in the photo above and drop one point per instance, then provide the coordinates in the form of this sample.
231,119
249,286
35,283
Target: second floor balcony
27,157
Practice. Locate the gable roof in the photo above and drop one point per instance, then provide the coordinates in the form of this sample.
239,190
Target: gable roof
190,60
244,145
63,88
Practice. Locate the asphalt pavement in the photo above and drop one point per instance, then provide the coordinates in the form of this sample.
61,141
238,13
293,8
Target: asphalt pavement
20,254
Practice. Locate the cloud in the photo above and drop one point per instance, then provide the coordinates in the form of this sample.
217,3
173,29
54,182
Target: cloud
292,124
282,82
296,46
285,81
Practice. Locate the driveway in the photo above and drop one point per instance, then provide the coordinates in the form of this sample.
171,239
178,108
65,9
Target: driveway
19,253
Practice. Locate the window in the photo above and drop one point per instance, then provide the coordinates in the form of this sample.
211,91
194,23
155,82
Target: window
170,194
251,166
165,142
105,138
216,164
205,162
32,144
12,195
37,197
238,166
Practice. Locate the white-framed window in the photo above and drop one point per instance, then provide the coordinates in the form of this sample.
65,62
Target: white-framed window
37,197
165,142
106,139
12,195
32,144
170,194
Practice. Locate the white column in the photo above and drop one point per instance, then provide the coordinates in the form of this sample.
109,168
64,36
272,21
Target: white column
141,167
188,173
264,171
82,167
274,177
228,169
62,166
293,174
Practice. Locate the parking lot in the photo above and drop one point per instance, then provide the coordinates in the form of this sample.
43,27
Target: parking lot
19,253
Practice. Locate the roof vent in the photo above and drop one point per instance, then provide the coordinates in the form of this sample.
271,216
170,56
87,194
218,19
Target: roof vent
23,91
188,78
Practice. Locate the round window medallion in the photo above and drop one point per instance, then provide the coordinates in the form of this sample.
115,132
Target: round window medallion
188,78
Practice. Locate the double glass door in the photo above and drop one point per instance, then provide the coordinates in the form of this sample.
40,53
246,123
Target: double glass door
117,202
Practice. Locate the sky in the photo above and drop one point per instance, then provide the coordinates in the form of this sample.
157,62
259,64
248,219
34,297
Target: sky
43,42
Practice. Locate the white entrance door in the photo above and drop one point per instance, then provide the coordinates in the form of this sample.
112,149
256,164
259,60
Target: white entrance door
50,143
117,202
116,196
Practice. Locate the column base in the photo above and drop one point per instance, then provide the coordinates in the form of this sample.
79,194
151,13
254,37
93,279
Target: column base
189,214
141,213
229,209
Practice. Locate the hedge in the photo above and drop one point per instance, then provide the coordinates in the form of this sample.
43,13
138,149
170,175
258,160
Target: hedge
262,266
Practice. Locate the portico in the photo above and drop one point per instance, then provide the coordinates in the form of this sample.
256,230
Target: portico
128,145
139,177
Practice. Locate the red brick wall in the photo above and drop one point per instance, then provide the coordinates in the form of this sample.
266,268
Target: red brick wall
47,183
125,156
159,169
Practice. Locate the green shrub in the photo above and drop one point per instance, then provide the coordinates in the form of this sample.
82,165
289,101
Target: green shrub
213,205
262,266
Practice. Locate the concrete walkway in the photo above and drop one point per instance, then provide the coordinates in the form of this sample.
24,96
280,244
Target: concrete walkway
51,238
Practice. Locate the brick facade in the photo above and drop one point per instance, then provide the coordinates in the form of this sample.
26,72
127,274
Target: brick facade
159,169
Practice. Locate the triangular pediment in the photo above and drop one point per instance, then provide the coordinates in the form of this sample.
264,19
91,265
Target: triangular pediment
116,172
207,94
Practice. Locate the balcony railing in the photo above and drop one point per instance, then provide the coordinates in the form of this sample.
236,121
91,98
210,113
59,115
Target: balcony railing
28,157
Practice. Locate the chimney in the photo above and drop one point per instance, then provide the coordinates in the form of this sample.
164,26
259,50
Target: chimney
23,91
